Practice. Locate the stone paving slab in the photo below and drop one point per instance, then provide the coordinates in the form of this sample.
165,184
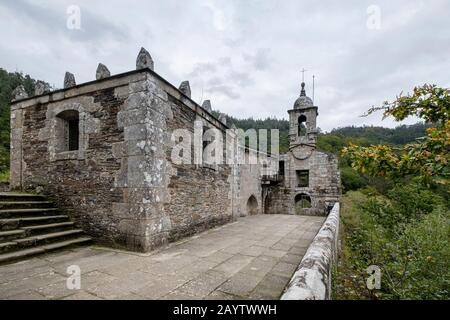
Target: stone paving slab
253,258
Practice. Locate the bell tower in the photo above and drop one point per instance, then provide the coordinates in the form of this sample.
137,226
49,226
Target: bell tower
302,122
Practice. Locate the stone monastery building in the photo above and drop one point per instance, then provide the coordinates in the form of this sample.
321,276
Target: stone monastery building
102,151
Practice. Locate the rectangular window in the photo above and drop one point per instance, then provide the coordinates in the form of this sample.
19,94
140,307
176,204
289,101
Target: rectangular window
73,134
281,168
303,178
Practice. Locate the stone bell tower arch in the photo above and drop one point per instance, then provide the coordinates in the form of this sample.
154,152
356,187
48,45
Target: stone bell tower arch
302,122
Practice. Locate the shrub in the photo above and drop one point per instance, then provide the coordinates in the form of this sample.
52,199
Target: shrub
405,233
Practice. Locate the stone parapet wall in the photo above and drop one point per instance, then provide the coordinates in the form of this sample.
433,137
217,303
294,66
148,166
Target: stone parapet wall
312,280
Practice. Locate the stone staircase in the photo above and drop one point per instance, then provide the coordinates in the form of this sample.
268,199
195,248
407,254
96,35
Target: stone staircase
30,225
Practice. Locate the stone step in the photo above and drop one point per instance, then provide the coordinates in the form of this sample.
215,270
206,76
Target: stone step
53,227
16,223
16,196
25,204
13,213
11,235
47,238
7,246
30,225
21,254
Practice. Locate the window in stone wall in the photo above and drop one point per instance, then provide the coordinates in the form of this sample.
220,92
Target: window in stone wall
302,126
281,168
67,130
302,178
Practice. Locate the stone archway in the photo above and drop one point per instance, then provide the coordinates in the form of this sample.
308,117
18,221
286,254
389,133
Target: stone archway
252,206
302,202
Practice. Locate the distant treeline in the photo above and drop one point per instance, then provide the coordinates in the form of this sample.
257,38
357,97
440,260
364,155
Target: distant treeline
336,139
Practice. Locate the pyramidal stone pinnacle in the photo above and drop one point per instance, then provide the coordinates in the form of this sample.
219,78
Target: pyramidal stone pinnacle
41,87
223,118
207,105
102,72
185,88
144,60
69,80
19,93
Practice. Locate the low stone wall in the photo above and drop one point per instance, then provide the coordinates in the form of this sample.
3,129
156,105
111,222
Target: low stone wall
312,280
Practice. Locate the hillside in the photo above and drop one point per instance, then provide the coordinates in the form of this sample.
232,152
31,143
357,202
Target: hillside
336,139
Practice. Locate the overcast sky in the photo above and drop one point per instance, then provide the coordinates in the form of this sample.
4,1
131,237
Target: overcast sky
244,55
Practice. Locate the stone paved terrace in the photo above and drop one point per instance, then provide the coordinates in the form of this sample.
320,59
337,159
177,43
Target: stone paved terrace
252,258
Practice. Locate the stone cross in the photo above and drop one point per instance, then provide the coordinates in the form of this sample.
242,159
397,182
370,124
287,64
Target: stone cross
102,72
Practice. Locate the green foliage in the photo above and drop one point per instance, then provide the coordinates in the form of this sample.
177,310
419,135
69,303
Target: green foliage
428,102
402,204
8,82
351,180
405,233
4,176
404,230
427,158
338,139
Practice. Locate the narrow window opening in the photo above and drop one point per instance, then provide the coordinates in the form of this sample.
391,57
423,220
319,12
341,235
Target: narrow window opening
73,134
67,130
281,168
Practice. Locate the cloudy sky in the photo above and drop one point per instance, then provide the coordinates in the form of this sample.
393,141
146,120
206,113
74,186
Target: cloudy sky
244,55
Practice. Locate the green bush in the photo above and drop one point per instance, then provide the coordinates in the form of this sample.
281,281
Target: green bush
351,180
405,233
4,176
402,204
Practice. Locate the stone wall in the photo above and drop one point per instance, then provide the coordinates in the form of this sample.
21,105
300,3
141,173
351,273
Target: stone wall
249,184
199,196
324,183
312,280
121,185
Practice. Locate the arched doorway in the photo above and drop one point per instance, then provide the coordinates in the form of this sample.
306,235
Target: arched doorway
302,202
252,206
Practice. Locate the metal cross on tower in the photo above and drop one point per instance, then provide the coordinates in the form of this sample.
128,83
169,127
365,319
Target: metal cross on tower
303,74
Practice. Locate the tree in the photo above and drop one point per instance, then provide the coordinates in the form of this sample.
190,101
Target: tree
428,157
